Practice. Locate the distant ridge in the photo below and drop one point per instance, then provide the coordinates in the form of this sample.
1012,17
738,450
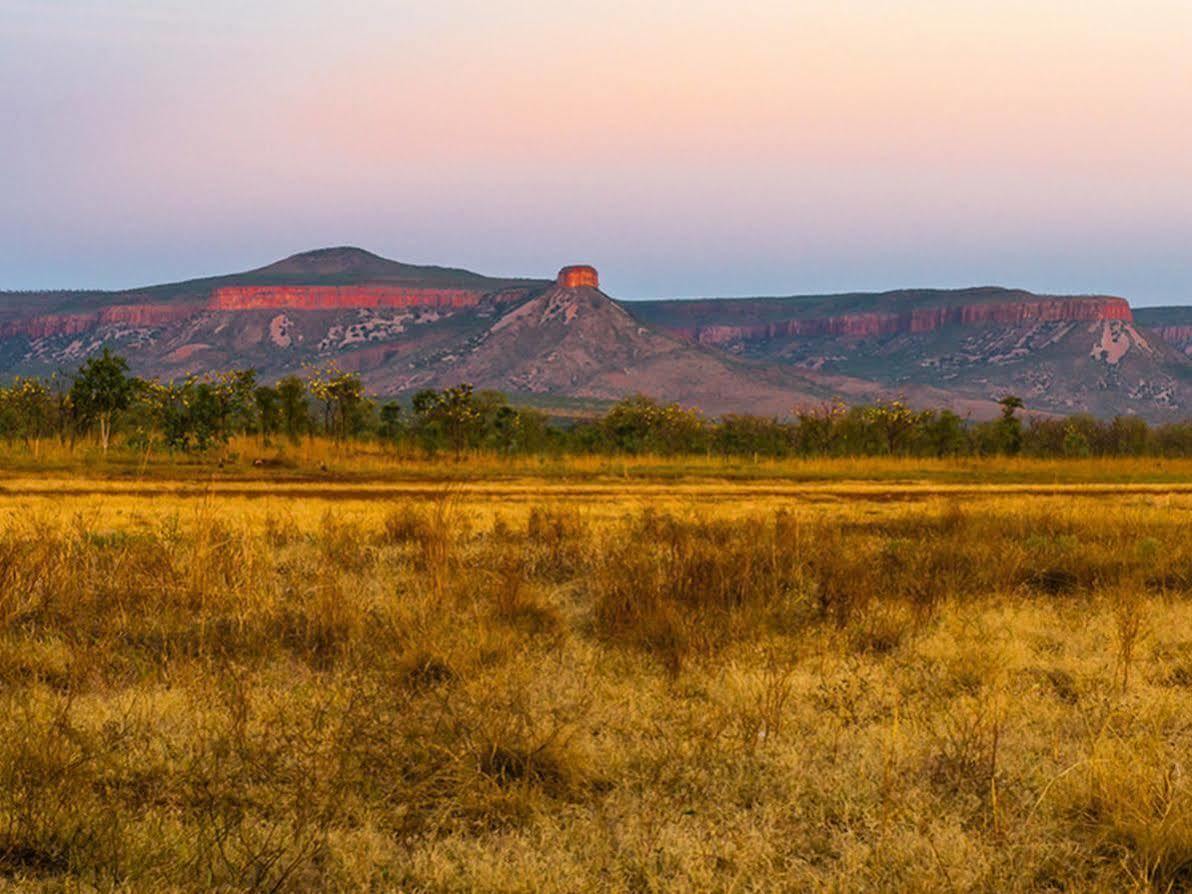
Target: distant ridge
347,265
407,326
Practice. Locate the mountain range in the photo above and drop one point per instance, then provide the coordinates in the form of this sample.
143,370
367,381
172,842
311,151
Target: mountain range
562,342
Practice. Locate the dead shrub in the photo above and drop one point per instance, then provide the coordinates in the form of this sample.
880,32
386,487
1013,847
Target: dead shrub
516,600
964,741
422,670
1128,607
557,541
846,574
1133,806
281,530
674,586
342,545
881,629
402,525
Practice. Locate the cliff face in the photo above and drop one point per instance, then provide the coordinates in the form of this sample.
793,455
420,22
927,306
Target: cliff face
244,298
916,320
1172,325
137,315
1179,337
339,297
578,276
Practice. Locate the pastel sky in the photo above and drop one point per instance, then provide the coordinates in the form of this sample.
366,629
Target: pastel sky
691,147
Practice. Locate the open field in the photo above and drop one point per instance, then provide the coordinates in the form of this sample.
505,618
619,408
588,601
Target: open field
370,673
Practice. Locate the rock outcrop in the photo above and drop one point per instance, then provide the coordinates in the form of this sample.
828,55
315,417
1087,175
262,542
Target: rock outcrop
340,297
1179,337
1172,325
134,315
1059,353
579,276
575,340
914,321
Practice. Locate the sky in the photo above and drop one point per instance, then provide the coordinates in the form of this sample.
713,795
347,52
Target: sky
686,148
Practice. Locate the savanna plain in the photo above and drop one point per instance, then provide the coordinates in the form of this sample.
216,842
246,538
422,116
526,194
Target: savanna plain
338,671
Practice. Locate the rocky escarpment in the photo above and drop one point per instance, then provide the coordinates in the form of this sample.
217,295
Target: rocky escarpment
911,321
250,298
578,276
1060,353
331,279
55,325
1179,337
1171,324
405,327
302,297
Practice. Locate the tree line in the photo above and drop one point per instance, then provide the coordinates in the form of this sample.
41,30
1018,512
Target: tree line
102,402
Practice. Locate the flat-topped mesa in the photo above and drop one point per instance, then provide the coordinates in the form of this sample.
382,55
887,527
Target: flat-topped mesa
338,297
917,320
578,276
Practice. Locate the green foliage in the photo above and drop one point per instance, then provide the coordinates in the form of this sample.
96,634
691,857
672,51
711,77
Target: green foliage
268,406
454,416
460,419
27,410
293,407
640,424
101,389
202,412
944,434
1009,427
345,408
392,425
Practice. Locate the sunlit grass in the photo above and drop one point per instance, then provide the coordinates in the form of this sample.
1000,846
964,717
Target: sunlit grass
519,682
247,458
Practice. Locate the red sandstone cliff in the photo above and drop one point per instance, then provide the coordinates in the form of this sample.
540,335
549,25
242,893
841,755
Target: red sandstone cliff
49,325
242,298
338,297
578,276
917,320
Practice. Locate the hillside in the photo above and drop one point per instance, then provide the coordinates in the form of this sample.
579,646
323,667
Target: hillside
1172,324
575,341
1060,353
400,326
404,327
343,266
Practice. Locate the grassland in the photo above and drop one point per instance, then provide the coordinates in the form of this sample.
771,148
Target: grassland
362,672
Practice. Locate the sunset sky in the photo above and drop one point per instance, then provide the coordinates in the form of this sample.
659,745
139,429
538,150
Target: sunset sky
695,147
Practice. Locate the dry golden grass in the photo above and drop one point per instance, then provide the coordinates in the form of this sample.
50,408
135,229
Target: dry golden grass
524,684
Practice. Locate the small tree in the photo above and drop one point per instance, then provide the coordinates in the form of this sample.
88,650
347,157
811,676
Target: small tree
391,422
28,410
344,404
944,433
233,396
293,407
453,415
639,424
102,388
1075,442
1009,426
894,425
268,411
